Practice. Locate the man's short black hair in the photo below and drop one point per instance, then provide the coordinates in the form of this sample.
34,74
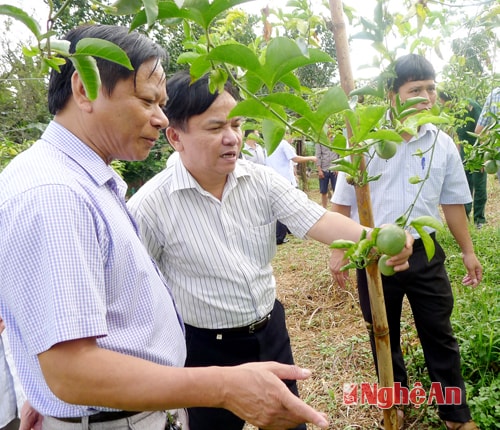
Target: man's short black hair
408,68
187,98
137,46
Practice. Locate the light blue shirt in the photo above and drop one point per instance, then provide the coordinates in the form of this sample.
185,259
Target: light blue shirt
72,265
216,254
392,193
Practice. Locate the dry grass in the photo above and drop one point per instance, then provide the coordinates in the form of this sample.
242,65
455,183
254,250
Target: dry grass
327,331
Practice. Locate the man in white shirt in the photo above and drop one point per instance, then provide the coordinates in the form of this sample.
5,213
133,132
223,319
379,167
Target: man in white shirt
252,150
283,160
425,284
12,395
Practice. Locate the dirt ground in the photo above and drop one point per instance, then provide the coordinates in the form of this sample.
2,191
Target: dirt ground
327,331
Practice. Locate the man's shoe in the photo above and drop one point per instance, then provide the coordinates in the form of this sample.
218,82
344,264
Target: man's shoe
469,425
479,225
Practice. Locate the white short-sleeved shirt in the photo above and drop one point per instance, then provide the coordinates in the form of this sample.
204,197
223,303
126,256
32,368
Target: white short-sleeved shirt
392,194
12,396
216,254
281,161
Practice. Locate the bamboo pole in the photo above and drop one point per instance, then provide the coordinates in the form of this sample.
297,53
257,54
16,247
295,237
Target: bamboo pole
377,303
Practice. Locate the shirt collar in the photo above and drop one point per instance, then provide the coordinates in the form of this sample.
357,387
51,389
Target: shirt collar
89,161
182,179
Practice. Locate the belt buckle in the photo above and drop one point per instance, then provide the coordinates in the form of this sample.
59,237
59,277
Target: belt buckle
252,327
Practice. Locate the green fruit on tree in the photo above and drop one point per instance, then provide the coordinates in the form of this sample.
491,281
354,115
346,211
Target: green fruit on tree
391,239
489,156
386,149
383,267
491,167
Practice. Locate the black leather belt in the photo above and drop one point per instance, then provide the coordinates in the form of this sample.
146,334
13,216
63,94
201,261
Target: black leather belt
251,328
101,417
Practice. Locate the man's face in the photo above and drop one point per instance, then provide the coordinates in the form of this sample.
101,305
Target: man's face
127,123
210,144
426,89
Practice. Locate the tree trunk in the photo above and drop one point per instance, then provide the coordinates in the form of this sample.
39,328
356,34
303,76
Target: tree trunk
377,303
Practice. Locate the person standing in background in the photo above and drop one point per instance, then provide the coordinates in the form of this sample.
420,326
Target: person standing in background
327,177
467,121
252,150
491,106
12,396
283,160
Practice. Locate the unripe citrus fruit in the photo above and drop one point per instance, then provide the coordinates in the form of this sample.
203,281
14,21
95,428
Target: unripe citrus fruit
383,267
491,167
386,149
391,239
489,156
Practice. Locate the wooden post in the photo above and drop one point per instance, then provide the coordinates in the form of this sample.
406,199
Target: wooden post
377,303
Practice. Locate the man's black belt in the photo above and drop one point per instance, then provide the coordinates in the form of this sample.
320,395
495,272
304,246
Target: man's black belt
101,417
251,328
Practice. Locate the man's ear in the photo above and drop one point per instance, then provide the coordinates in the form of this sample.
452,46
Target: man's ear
79,94
174,139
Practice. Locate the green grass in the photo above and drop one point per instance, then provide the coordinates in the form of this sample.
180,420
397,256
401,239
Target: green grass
476,324
329,337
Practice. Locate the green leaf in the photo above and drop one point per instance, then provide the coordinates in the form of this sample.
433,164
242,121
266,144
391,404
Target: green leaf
235,54
252,108
22,16
385,134
151,8
428,221
332,102
199,67
430,248
273,133
102,49
202,12
291,81
126,7
369,91
290,101
61,47
217,80
342,244
187,57
86,67
364,120
283,56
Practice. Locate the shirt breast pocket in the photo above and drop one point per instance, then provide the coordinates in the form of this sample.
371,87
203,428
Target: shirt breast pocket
260,242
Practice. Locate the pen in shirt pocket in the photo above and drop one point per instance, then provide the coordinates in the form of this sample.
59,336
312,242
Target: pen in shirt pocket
423,163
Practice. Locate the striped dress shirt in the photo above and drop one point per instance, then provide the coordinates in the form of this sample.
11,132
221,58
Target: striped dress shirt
216,254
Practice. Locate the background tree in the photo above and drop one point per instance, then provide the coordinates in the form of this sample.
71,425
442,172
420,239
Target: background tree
23,95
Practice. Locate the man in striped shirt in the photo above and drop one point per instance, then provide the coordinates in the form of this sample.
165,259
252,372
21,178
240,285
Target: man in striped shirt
209,222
